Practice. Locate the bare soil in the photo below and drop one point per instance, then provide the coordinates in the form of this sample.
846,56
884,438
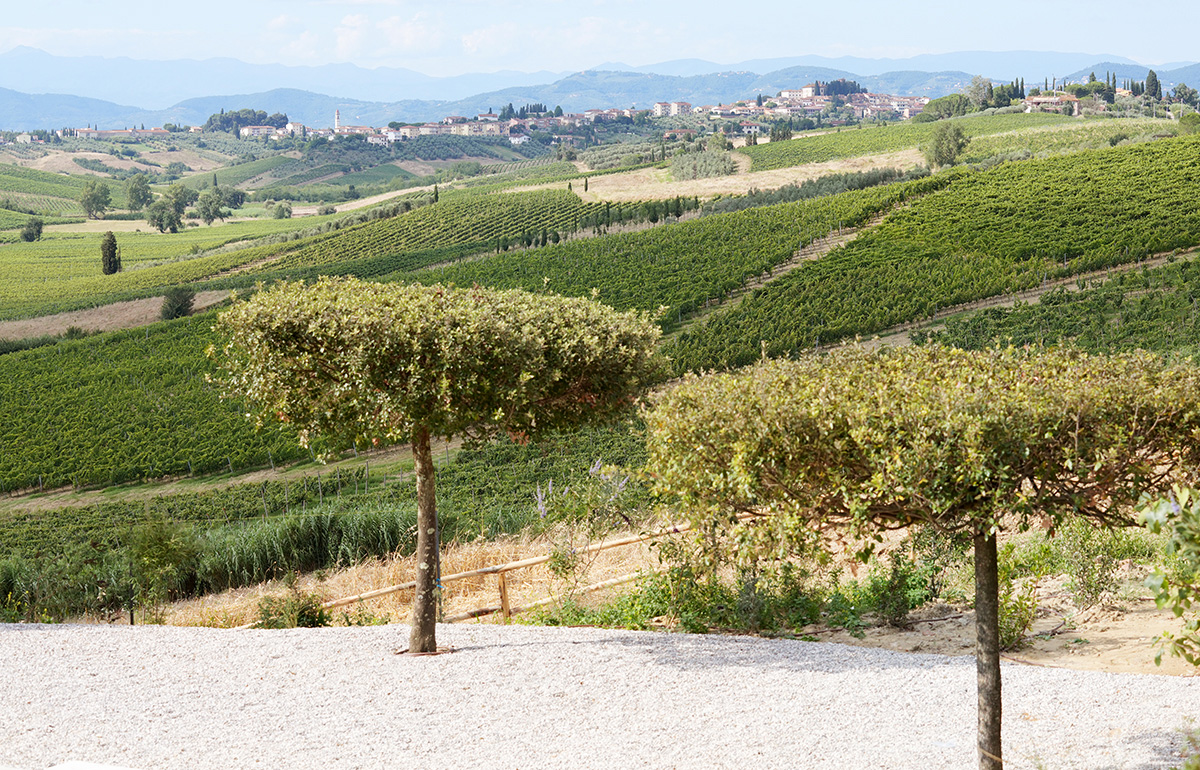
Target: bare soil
190,158
119,315
1116,636
63,162
657,184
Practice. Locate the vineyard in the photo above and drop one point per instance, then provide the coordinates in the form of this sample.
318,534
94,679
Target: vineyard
1147,309
681,266
62,189
380,175
237,174
453,220
62,271
852,143
121,407
46,204
986,233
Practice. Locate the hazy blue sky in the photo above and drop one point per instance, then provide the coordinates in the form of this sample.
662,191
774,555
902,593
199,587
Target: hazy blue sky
456,36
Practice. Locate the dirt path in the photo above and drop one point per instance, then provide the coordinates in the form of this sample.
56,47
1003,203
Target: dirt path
900,336
119,315
384,461
809,253
657,184
1116,635
360,203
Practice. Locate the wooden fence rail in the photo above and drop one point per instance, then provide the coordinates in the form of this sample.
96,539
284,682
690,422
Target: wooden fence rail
501,570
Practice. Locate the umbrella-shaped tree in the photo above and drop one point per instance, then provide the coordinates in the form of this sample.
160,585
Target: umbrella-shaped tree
356,361
966,442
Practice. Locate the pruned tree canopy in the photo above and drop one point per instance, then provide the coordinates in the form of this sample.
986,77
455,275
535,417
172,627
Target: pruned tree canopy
359,361
966,441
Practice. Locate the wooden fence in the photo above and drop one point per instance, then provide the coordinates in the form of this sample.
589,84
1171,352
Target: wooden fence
501,572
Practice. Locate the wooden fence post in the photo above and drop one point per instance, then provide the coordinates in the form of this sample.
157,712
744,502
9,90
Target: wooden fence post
504,607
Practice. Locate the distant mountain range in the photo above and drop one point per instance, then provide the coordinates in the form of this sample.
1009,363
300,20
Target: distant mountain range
34,85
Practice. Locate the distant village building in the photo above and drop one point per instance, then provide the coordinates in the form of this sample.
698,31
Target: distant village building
131,133
247,132
1056,102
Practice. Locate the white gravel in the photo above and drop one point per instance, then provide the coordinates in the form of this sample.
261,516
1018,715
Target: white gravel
524,697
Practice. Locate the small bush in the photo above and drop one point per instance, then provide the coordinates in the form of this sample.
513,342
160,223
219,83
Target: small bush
295,610
1018,610
32,230
1090,555
177,303
328,208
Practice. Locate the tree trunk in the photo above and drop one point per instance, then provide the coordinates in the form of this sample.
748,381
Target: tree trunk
425,601
987,650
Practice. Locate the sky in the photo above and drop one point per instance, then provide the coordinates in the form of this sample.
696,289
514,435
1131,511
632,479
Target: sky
453,37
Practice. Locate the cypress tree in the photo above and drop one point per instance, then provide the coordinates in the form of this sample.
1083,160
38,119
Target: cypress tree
1153,87
110,254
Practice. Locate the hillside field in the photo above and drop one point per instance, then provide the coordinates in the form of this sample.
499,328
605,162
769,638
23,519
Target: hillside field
112,442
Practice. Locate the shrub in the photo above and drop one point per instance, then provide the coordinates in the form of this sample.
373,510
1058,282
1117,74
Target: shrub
295,610
177,303
32,230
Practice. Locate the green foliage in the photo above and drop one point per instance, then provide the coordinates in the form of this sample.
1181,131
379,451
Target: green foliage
1178,515
32,229
209,204
521,361
950,106
280,210
161,553
881,139
161,215
110,254
932,434
1018,610
95,198
1090,555
177,303
138,193
1006,229
297,609
1190,123
945,144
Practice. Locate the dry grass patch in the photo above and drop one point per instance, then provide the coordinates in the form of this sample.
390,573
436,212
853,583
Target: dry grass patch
657,183
240,606
118,315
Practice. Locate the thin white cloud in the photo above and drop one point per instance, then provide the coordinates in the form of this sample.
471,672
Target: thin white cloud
349,36
419,34
496,40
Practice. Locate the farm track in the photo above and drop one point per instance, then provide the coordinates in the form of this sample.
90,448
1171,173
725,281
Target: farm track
814,251
118,315
900,336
